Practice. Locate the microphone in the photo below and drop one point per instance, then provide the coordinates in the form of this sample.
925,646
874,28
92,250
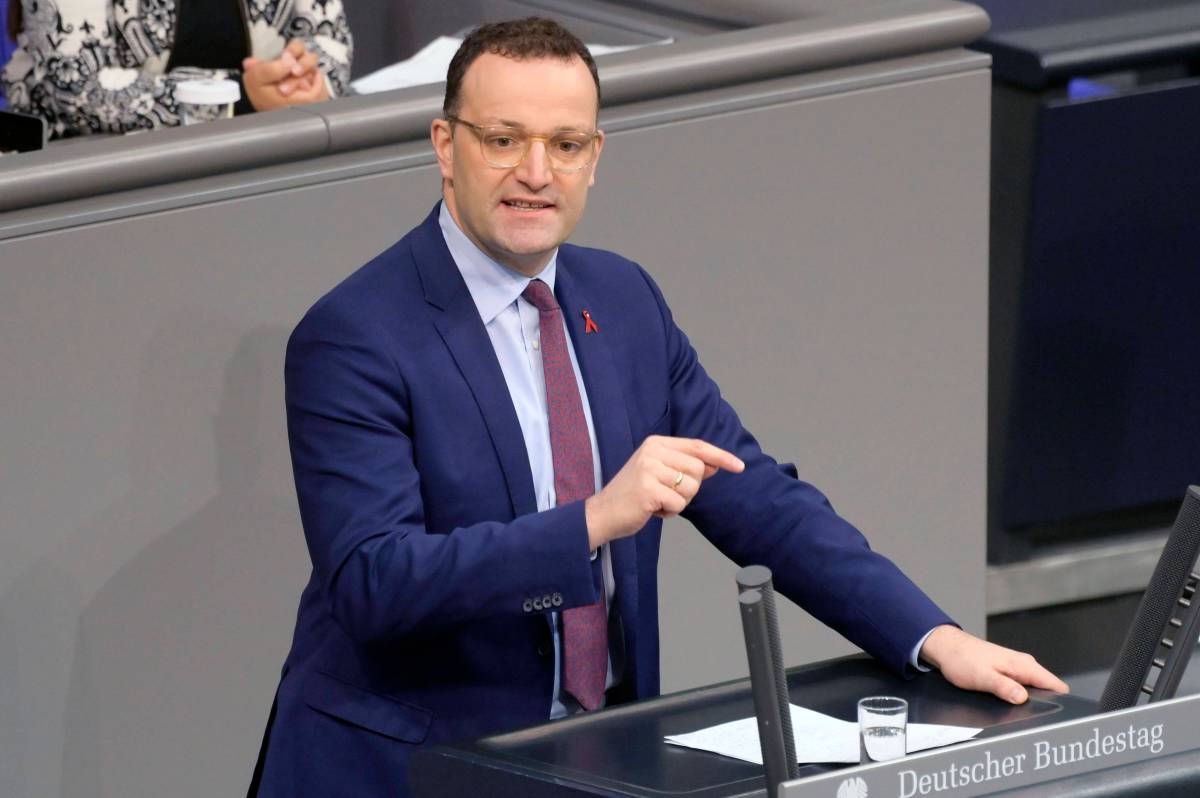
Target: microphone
768,681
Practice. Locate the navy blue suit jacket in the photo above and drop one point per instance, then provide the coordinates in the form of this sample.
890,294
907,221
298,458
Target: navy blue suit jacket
422,622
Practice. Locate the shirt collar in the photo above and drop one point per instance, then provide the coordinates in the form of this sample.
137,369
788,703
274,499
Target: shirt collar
493,286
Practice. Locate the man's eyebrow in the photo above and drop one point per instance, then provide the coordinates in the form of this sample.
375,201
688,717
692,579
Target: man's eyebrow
559,129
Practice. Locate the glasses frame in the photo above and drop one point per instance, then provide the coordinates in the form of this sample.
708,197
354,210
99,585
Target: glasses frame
480,130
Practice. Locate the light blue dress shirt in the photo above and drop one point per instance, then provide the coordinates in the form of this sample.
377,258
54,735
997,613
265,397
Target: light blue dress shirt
512,325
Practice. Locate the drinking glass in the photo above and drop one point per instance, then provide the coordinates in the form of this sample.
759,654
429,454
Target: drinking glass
882,727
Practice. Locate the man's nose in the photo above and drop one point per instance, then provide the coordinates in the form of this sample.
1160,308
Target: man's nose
534,171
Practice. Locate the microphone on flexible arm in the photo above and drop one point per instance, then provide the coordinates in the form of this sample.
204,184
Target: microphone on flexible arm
768,681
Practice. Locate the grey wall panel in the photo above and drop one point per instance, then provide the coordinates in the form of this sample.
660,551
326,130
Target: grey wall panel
827,255
152,550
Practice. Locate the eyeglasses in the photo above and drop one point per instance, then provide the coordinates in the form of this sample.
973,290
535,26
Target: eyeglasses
504,147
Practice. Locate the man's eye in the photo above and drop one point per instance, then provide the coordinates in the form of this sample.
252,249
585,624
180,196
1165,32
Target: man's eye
503,142
569,146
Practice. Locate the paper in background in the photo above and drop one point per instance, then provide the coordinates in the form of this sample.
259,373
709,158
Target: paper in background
430,65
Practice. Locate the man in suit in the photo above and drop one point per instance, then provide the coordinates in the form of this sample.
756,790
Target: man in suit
488,426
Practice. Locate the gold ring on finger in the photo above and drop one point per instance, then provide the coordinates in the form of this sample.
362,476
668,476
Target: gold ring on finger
678,479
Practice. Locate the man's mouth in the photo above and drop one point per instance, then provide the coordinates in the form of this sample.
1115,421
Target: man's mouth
527,205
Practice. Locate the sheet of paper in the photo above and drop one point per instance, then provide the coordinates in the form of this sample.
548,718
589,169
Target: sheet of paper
819,738
426,66
429,65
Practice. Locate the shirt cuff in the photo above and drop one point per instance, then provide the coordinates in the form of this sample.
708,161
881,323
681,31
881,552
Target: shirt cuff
914,658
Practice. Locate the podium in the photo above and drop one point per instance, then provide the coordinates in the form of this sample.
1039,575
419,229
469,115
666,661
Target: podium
620,751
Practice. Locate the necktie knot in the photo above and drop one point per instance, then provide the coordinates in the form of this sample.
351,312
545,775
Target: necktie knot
538,294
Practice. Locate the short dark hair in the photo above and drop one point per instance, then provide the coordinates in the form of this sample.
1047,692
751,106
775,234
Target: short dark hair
520,39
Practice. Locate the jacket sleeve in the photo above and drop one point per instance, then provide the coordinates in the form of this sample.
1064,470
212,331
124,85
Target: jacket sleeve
383,573
767,516
324,29
76,72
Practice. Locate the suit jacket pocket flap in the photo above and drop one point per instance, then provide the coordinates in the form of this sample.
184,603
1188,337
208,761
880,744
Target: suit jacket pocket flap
661,425
378,713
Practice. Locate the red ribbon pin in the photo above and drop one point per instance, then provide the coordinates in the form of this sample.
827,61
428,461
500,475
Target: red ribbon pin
589,325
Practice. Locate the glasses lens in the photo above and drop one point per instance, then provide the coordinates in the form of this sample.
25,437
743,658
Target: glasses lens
570,151
503,146
506,147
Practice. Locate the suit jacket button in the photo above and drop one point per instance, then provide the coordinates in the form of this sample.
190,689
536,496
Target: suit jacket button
556,600
546,602
537,604
527,606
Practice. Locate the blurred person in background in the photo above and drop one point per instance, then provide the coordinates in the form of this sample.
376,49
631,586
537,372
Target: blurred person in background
111,66
6,40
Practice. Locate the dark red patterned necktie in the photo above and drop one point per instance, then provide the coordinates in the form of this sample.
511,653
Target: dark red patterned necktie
585,629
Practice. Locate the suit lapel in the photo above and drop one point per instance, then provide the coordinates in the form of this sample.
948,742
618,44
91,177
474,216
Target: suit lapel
465,336
614,437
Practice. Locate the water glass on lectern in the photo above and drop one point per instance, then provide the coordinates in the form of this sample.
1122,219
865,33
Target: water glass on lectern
882,728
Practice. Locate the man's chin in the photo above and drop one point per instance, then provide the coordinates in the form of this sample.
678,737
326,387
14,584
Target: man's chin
531,246
526,257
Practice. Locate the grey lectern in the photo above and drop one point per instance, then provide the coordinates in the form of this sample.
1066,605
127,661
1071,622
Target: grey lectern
620,751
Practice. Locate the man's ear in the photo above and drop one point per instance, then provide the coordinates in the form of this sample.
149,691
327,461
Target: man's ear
443,146
596,159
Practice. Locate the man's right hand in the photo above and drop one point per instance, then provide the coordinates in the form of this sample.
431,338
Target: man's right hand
660,479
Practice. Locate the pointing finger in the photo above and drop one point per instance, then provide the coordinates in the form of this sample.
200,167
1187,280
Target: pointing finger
713,457
676,460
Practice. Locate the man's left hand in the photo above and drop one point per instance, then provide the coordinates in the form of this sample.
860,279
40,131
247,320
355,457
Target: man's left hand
974,664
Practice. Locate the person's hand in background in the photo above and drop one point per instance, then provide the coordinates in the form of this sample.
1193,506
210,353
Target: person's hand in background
291,79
